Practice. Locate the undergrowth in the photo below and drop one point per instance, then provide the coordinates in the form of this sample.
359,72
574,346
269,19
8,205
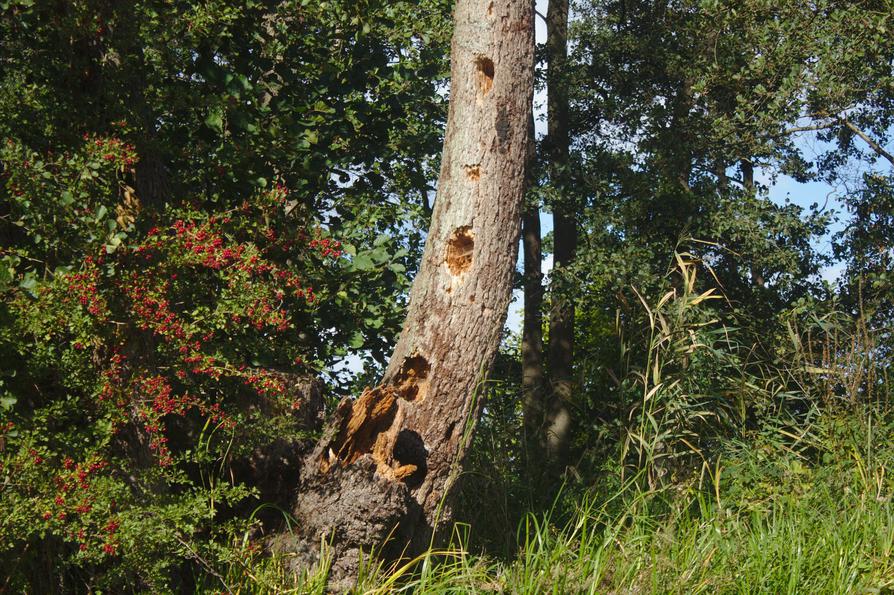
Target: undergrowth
731,469
768,518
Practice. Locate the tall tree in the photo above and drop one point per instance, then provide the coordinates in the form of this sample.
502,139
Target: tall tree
388,460
561,324
533,377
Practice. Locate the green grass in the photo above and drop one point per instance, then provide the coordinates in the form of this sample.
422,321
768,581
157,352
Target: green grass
767,519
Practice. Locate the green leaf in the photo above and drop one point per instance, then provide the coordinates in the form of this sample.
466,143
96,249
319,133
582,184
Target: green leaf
214,120
357,340
363,262
113,244
29,281
8,401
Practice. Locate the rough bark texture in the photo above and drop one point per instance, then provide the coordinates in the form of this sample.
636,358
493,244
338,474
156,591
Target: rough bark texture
388,459
561,324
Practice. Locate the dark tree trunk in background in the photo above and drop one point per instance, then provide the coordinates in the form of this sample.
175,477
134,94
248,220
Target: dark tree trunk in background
680,144
385,465
722,178
747,167
561,324
533,378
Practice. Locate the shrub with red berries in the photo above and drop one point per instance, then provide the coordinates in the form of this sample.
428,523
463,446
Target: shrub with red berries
164,352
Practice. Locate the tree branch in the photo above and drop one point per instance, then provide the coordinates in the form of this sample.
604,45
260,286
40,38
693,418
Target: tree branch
877,148
811,128
880,150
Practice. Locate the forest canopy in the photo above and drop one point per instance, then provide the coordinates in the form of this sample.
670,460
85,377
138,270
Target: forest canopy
212,215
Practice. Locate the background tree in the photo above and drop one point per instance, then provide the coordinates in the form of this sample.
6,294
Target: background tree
533,371
675,106
561,321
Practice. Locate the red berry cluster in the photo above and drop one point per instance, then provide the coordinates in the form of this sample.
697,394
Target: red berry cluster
112,150
73,507
151,308
328,248
259,295
83,287
159,328
265,383
112,380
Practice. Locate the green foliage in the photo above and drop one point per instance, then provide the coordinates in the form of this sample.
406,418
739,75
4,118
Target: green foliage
778,515
663,122
203,203
674,107
337,101
139,379
201,206
863,247
684,383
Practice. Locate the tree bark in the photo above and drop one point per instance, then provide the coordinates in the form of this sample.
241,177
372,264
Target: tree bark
381,474
747,167
533,378
561,325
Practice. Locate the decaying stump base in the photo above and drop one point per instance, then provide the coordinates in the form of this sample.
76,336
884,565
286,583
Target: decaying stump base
355,493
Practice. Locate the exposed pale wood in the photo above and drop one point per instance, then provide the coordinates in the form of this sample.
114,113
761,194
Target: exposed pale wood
389,459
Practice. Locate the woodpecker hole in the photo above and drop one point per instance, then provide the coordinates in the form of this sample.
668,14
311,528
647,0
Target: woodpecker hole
409,458
473,172
484,68
412,382
460,247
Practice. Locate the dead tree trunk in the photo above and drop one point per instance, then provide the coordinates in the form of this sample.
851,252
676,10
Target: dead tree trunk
387,462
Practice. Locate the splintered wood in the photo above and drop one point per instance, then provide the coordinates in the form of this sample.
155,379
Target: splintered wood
372,428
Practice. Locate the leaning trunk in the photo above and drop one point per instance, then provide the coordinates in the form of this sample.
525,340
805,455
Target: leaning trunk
385,466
